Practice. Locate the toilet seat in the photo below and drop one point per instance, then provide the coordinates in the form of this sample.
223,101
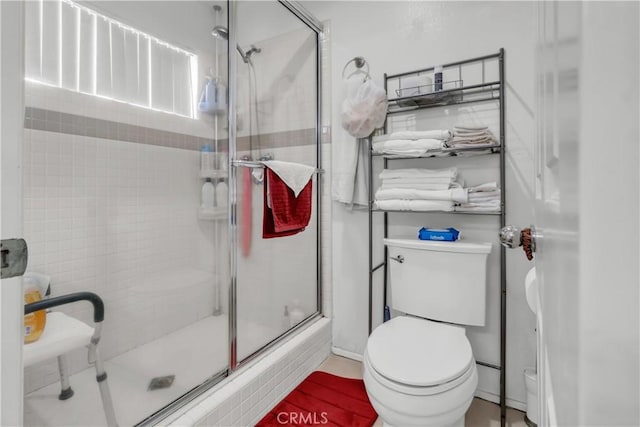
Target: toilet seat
418,356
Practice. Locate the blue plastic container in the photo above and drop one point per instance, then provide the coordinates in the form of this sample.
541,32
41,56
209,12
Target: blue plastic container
443,234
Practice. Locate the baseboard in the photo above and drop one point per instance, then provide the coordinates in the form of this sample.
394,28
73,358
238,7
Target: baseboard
347,354
492,397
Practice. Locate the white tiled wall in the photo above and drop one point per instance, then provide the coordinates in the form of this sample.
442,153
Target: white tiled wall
118,219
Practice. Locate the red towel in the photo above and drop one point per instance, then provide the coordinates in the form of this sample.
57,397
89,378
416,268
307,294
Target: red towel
247,212
288,214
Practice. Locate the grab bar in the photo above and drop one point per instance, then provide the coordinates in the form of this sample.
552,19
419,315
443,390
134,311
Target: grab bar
253,164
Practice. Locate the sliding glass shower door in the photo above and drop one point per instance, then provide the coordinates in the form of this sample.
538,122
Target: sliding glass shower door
116,202
276,281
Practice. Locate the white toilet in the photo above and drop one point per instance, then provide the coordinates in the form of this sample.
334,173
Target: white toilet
419,369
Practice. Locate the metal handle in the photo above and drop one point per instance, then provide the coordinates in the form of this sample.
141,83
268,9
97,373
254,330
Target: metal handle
98,305
399,259
512,237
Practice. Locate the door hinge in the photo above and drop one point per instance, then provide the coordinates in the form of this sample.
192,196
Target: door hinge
13,258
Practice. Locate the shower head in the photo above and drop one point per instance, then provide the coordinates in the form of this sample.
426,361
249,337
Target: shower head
220,32
250,52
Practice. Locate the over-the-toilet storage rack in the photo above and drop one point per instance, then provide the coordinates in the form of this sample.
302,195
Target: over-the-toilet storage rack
453,93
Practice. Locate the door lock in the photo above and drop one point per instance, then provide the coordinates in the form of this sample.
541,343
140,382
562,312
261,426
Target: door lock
13,258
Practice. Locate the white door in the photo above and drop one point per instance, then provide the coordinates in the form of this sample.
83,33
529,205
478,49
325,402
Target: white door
587,214
11,128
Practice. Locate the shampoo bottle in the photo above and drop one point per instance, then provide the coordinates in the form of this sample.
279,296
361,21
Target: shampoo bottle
207,102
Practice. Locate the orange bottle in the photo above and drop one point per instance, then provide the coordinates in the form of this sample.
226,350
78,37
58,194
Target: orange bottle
33,322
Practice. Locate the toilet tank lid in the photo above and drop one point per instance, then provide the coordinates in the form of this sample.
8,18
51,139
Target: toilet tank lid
428,245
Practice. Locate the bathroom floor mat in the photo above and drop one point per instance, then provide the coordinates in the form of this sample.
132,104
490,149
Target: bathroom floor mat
324,399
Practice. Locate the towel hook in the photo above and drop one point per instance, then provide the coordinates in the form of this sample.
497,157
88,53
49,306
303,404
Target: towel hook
359,62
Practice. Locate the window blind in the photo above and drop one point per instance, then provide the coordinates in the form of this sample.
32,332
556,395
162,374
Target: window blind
76,48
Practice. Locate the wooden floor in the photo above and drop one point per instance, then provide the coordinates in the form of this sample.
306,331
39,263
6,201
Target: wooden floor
481,413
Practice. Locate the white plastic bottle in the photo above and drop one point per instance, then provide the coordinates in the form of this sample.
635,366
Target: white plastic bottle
207,195
222,194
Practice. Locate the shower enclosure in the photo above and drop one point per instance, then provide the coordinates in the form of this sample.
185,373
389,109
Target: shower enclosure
145,127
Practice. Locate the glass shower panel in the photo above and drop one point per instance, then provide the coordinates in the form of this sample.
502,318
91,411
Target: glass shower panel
123,100
277,278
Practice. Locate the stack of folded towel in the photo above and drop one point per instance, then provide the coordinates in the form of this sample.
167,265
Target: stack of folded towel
481,198
471,136
419,190
412,143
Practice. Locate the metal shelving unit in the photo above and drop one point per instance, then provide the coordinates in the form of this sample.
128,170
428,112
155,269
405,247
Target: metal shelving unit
456,95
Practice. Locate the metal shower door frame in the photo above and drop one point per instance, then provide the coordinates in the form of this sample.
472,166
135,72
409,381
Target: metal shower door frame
310,21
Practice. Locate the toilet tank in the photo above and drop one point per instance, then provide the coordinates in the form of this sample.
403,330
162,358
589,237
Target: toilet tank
444,281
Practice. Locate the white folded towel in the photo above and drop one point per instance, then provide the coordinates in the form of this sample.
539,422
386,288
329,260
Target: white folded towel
474,145
484,195
468,135
407,146
462,128
483,204
472,139
422,186
295,175
487,186
471,134
477,208
454,194
482,199
414,205
443,135
419,173
423,180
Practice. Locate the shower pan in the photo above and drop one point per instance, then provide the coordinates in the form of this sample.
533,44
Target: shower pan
114,192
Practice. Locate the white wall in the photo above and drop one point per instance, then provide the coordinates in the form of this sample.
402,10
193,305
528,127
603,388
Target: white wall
402,36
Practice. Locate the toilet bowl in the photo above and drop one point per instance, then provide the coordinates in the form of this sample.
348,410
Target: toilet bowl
419,373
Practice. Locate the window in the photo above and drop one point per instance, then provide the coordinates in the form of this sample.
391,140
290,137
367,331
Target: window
76,48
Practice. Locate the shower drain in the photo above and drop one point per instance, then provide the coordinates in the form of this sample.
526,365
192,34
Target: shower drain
161,382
